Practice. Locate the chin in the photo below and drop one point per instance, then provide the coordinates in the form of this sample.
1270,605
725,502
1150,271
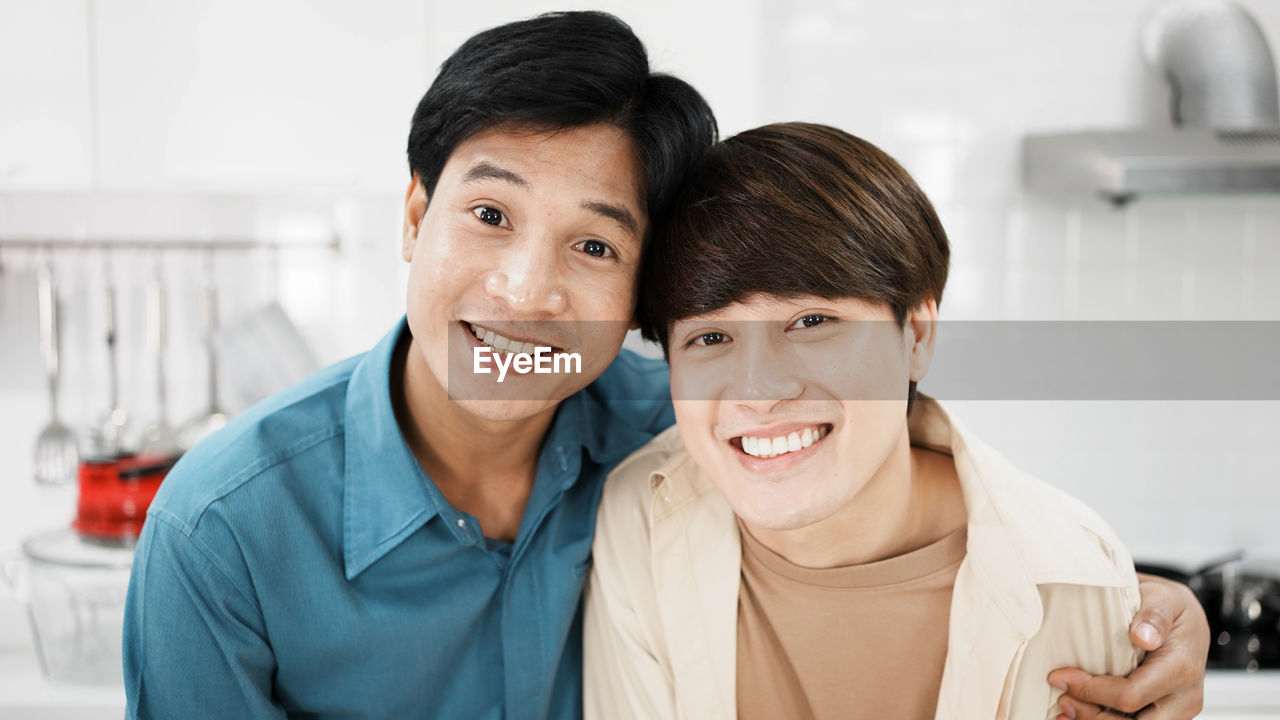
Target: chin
519,398
506,410
780,519
777,508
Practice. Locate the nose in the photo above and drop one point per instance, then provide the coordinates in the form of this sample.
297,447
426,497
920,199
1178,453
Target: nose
527,279
765,376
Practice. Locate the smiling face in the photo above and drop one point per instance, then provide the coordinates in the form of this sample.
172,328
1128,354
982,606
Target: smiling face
530,237
792,407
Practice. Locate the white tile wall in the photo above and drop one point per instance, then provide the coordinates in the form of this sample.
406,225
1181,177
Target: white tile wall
44,119
949,89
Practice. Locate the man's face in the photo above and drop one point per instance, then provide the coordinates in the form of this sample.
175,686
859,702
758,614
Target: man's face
791,406
529,237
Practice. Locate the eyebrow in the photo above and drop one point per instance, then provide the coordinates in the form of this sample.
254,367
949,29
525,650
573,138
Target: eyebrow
488,171
620,215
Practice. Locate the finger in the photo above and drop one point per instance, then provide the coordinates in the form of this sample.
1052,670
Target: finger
1182,706
1076,710
1162,601
1146,634
1150,682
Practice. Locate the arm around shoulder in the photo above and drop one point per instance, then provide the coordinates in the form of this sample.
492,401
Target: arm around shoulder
194,640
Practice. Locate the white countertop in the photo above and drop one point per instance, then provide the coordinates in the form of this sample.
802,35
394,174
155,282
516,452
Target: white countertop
26,695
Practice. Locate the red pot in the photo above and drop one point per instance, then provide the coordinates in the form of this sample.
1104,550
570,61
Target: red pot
115,493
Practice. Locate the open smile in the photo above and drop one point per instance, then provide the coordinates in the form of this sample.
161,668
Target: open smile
778,449
503,344
773,445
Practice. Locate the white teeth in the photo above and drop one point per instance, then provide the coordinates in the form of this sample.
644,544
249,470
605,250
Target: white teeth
502,344
763,447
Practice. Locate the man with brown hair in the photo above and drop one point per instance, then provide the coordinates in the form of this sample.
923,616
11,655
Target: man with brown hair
815,539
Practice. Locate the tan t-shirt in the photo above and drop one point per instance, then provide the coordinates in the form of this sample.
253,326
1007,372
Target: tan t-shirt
865,641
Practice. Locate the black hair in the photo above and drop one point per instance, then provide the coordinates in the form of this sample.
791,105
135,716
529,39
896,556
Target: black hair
560,71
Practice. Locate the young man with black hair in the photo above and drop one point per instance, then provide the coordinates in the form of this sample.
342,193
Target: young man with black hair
378,542
397,536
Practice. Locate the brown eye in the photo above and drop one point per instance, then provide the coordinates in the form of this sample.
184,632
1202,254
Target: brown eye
711,338
596,248
489,216
809,321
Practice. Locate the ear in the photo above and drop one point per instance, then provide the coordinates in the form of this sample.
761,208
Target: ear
921,331
415,206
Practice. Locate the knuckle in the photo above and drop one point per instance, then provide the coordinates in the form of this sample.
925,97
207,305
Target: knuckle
1129,701
1185,592
1158,615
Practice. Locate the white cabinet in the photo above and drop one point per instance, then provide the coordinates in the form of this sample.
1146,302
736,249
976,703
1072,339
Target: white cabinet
195,95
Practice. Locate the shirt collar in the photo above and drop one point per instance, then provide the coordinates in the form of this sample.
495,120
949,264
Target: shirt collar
601,426
386,496
993,545
985,480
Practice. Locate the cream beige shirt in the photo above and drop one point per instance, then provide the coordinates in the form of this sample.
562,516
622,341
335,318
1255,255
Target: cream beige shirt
1044,584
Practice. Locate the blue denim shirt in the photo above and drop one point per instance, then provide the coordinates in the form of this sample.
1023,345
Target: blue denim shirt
300,563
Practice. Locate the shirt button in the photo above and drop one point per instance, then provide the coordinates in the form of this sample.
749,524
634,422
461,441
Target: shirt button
462,523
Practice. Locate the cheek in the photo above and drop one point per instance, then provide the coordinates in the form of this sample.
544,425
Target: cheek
439,274
696,420
679,385
598,342
688,413
871,431
863,372
600,294
697,381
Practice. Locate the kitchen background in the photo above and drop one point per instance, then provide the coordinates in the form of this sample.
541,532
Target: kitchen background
138,133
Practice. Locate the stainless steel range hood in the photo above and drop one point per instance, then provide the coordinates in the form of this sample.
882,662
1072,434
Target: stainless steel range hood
1224,110
1122,164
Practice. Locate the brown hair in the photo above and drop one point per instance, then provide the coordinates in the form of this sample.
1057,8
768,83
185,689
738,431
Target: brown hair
794,209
